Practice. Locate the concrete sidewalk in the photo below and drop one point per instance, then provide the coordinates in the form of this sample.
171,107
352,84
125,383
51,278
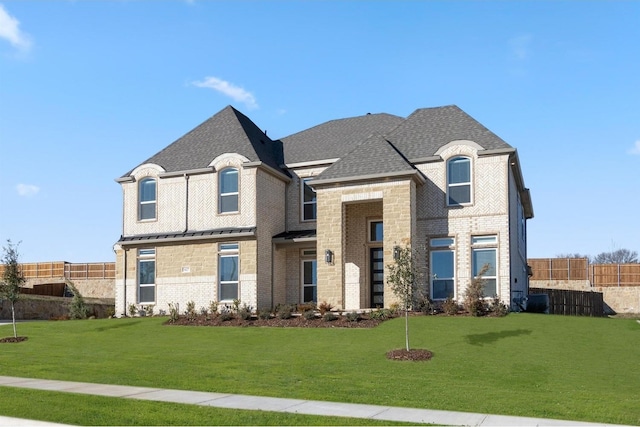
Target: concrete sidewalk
310,407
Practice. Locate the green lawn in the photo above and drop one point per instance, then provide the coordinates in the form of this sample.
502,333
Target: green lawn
524,364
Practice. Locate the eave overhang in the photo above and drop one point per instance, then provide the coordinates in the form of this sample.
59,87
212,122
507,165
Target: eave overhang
416,175
214,234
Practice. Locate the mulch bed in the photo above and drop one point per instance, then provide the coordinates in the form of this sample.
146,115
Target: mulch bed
293,322
415,354
13,339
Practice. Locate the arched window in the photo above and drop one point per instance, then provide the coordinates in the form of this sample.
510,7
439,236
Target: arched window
147,199
228,186
458,181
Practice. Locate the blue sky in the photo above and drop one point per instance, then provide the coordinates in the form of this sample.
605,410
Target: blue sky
89,89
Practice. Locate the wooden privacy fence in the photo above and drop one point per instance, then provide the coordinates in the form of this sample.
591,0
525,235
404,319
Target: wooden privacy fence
71,271
573,303
604,275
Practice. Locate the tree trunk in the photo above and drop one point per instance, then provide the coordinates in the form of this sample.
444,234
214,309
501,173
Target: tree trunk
13,318
406,327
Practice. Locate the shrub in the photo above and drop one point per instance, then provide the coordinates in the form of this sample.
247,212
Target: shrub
474,301
353,316
324,307
149,309
285,312
77,309
329,317
309,314
190,312
306,307
425,305
132,309
244,312
381,314
174,315
110,312
450,306
213,307
264,314
498,308
226,315
204,311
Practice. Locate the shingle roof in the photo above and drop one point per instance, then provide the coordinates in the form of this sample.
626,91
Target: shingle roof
428,129
335,138
228,131
374,156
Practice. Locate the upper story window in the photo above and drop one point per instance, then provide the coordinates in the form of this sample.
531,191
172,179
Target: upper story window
458,181
308,201
147,199
228,184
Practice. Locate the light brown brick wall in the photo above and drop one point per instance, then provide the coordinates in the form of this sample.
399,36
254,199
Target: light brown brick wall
398,204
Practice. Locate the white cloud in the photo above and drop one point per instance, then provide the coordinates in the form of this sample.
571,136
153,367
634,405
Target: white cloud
636,148
10,31
520,46
229,89
27,190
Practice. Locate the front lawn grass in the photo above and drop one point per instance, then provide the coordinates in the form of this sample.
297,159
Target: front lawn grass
574,368
86,410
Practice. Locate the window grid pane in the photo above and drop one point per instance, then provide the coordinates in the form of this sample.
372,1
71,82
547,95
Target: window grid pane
442,274
376,231
308,202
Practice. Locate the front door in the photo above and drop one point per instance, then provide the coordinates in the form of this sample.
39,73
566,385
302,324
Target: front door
376,262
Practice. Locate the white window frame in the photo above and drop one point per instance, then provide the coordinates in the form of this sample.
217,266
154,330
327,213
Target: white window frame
308,256
460,184
235,194
153,202
228,250
485,243
442,245
146,255
304,203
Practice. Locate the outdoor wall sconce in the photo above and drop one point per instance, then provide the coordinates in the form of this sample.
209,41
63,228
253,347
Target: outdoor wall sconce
328,256
396,253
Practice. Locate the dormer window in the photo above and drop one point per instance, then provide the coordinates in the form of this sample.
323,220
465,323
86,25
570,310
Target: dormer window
308,201
228,186
459,181
147,199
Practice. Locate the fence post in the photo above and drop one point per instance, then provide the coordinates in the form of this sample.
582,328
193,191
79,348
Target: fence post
568,269
618,275
550,267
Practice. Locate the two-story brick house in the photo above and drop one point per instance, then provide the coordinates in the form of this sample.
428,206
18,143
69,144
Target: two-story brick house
225,213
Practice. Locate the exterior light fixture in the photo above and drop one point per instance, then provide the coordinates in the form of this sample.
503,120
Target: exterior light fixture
328,256
396,253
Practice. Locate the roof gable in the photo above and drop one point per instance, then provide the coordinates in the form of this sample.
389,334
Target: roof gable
428,129
374,157
228,131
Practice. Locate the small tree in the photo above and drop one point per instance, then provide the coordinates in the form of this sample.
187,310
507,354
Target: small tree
12,279
474,301
78,309
404,278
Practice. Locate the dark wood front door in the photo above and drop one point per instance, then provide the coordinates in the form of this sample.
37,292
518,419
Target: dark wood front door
376,262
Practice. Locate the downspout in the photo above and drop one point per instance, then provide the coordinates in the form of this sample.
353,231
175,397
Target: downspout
186,211
273,261
124,279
